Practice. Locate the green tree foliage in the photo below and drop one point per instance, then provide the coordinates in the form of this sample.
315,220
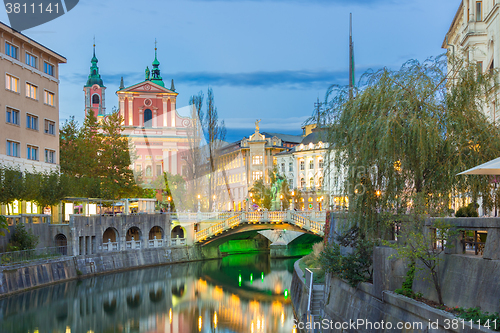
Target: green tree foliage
424,246
11,180
407,133
355,265
173,187
468,211
96,158
23,239
3,225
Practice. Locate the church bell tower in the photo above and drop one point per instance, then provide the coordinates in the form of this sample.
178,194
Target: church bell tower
94,91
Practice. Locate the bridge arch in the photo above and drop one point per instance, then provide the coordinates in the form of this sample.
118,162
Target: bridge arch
156,232
110,235
178,232
134,232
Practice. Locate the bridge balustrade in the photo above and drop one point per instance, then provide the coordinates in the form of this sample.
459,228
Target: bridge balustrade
155,243
236,218
133,245
276,216
177,241
110,246
254,216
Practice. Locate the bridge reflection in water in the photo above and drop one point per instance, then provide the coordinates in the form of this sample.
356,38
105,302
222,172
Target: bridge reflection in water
243,293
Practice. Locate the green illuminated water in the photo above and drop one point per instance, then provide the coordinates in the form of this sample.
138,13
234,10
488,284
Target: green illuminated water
239,293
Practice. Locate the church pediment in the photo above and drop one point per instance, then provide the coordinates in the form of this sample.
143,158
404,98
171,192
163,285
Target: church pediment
148,87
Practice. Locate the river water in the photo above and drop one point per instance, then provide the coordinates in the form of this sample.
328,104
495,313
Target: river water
239,293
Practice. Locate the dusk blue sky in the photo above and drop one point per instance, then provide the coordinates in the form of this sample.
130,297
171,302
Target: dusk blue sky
264,59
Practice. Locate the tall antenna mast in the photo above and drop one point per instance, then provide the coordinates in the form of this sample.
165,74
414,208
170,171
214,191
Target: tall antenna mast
351,59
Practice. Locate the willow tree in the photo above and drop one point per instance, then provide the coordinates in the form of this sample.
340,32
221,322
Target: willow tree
406,134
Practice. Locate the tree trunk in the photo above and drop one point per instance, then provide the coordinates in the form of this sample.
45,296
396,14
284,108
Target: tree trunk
437,286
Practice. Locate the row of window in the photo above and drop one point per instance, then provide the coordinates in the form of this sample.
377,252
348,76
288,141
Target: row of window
311,182
14,150
12,84
12,116
303,165
29,59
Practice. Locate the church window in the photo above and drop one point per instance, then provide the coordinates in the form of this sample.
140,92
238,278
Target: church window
95,99
148,115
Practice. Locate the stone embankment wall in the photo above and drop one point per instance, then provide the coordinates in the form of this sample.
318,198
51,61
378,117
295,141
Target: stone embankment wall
467,281
20,278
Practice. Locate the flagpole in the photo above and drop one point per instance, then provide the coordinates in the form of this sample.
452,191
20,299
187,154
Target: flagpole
351,59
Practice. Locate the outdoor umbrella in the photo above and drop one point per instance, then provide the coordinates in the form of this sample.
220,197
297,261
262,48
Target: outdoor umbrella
489,168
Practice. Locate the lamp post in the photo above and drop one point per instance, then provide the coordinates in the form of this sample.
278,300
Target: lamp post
250,201
199,197
293,200
281,201
168,199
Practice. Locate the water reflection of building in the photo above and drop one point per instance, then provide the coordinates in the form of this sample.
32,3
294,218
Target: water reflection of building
163,299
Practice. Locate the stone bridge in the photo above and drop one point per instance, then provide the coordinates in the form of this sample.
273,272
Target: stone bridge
303,222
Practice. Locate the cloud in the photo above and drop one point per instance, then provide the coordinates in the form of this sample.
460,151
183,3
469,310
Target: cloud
291,79
297,79
267,125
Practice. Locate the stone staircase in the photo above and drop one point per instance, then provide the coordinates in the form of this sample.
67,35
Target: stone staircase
317,300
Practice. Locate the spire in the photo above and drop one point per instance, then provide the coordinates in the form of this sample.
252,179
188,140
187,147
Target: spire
172,87
94,76
121,84
155,72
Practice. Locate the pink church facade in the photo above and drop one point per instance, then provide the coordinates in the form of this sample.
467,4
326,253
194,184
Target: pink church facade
158,134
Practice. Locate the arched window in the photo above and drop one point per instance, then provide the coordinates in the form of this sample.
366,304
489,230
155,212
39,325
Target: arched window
148,115
311,182
95,99
149,172
311,164
302,182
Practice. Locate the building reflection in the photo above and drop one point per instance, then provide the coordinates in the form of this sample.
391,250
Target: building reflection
194,297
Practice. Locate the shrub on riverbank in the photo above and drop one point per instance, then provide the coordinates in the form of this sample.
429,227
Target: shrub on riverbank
311,261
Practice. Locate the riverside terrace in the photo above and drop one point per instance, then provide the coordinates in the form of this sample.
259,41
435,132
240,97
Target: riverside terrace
85,235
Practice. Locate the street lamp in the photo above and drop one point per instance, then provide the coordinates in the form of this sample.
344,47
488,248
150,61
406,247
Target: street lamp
293,200
168,199
281,201
199,197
